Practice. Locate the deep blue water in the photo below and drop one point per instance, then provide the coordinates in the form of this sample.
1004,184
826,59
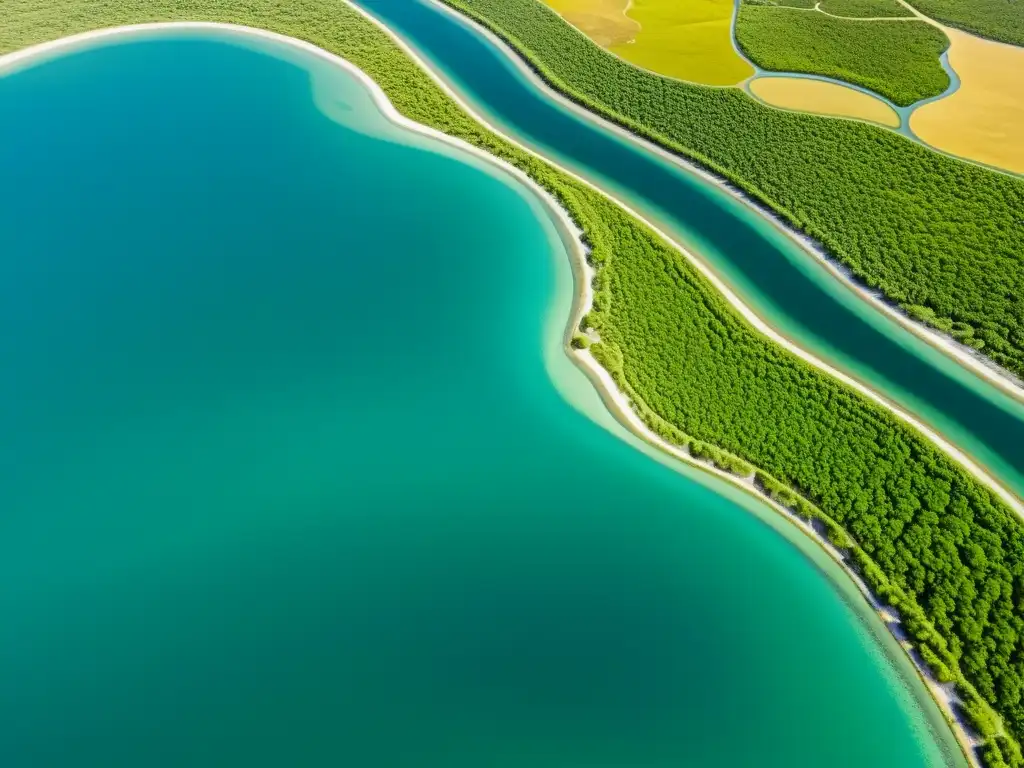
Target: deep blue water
286,479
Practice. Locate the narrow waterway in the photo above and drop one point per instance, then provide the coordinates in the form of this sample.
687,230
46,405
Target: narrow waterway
786,285
287,480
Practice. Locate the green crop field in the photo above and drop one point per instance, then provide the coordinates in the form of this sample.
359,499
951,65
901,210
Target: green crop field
1001,20
929,539
864,9
896,59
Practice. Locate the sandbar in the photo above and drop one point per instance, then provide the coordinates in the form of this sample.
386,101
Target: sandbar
823,98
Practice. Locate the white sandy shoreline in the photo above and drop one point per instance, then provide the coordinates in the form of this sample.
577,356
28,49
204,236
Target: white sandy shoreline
960,456
967,357
616,401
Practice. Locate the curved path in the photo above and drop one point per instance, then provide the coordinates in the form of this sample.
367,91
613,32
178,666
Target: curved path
999,157
817,7
903,112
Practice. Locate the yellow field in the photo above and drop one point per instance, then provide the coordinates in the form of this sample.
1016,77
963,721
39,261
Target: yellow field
603,21
984,119
804,95
688,39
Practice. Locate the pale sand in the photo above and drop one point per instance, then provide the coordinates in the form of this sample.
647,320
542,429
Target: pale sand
819,97
603,21
690,41
614,398
983,120
968,358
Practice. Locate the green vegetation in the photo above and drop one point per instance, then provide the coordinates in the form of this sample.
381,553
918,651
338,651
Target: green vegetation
865,9
926,230
860,9
998,19
928,539
899,60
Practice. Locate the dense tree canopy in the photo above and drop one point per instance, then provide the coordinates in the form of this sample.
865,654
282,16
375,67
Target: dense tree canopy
998,19
897,59
864,9
941,238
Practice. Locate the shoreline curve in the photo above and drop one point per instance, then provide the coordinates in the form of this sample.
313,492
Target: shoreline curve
614,399
986,372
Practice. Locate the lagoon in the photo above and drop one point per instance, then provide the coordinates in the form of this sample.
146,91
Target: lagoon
290,475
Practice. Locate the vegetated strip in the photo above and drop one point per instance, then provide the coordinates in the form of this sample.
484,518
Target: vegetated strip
1001,20
698,381
899,60
928,539
862,9
938,237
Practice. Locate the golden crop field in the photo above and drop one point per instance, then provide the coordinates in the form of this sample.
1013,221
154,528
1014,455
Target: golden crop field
984,119
603,21
802,94
688,40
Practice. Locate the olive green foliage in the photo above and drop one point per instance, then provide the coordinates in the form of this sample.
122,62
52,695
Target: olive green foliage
864,9
927,538
808,4
925,230
897,59
858,9
998,19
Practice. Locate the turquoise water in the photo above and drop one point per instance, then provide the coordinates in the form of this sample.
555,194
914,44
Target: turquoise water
787,287
287,480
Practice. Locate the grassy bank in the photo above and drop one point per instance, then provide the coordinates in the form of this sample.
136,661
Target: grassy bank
928,539
1001,20
896,59
941,238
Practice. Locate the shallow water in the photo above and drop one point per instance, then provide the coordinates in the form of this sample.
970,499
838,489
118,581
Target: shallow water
287,481
787,287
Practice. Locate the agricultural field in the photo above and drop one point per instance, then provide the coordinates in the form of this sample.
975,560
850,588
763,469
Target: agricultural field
690,41
1001,20
983,119
822,98
897,59
603,21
